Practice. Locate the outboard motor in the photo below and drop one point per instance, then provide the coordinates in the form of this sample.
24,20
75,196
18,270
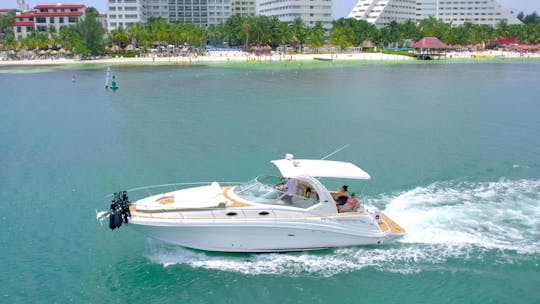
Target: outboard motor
119,212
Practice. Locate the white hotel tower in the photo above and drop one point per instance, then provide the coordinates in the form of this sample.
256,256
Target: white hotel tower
310,11
382,12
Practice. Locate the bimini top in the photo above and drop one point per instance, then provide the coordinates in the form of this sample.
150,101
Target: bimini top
290,167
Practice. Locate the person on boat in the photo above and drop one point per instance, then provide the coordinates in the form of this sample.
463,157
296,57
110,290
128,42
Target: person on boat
352,204
311,194
341,196
290,187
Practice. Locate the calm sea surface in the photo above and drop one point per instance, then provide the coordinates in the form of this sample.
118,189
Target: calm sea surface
453,150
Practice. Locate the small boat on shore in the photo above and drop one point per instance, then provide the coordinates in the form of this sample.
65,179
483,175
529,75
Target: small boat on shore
322,59
262,215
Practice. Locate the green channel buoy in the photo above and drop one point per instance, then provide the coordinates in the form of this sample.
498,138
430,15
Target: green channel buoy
114,87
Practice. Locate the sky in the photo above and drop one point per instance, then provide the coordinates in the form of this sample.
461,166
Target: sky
341,7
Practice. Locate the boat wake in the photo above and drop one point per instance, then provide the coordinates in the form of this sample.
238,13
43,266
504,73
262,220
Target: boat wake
494,215
454,220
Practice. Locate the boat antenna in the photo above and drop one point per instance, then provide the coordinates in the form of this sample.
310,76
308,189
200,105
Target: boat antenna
327,156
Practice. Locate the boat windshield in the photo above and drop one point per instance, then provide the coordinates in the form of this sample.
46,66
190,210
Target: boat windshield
271,190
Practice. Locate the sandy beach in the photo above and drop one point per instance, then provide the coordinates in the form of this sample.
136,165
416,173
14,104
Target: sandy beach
238,56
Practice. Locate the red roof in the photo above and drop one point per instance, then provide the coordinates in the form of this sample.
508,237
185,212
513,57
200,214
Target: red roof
52,6
23,23
59,14
429,43
504,41
25,15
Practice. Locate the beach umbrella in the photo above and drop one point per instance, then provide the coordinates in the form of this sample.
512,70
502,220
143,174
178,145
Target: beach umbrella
367,44
129,47
61,51
42,52
53,52
115,48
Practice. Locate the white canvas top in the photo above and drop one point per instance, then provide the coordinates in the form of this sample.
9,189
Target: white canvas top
319,168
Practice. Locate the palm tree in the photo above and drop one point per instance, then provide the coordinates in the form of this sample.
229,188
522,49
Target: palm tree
245,30
157,29
299,32
120,37
138,35
316,35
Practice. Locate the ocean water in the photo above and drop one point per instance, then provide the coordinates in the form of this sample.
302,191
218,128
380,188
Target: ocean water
453,150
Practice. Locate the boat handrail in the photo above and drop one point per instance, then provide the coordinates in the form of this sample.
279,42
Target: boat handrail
140,189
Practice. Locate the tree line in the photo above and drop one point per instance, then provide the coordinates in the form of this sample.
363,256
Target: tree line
89,37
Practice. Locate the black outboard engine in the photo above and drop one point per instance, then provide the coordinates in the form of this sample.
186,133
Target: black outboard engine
119,210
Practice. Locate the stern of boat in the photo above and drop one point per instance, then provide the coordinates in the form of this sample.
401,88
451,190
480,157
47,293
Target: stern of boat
388,225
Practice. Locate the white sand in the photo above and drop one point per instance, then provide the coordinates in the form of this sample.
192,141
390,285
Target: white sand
213,57
237,56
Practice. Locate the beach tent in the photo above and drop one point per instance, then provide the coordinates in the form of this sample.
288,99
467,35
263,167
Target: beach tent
367,44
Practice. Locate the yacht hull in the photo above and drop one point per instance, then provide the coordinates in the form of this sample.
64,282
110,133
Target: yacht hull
261,237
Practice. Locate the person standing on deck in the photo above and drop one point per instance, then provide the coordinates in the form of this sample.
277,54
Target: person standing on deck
290,190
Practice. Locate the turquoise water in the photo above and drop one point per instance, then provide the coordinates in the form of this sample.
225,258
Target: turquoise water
453,151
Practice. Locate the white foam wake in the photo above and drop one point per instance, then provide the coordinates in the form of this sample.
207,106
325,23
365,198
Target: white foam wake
445,220
502,215
400,259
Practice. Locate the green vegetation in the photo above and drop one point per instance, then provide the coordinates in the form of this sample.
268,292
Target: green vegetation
402,53
88,36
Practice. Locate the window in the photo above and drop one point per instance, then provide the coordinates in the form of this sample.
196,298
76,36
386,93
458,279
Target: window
41,20
72,19
51,19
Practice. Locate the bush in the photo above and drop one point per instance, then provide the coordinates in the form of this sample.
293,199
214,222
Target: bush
404,53
125,55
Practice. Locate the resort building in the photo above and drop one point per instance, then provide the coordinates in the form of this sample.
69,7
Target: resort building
458,12
310,11
243,7
201,12
123,13
157,9
382,12
218,11
42,17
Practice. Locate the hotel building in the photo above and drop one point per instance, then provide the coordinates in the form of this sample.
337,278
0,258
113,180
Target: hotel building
43,16
310,11
243,8
202,12
382,12
123,13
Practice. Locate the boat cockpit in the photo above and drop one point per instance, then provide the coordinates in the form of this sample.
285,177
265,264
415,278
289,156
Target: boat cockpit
272,190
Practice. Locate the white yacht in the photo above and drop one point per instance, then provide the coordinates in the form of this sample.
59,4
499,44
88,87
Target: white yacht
260,215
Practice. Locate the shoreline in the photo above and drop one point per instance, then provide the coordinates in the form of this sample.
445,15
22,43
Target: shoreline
239,57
